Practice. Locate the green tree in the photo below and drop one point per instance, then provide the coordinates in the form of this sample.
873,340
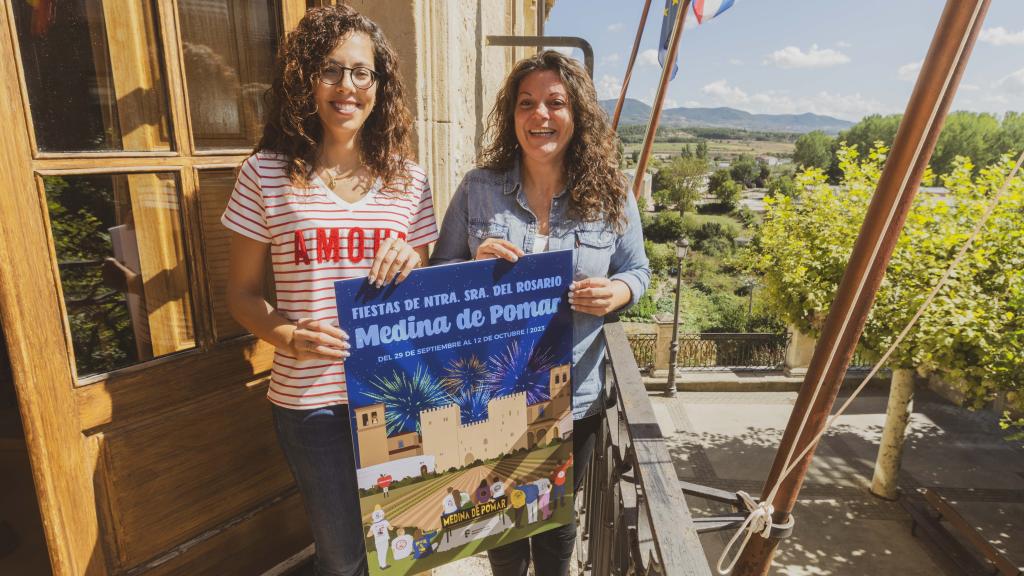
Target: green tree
974,331
744,170
782,184
969,134
679,182
667,226
813,150
725,189
702,149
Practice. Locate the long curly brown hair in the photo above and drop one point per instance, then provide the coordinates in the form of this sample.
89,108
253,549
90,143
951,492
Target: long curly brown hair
293,126
596,187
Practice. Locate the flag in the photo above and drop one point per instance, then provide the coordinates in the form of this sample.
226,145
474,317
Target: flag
708,9
668,20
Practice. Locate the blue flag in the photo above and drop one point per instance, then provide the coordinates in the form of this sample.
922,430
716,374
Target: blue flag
667,21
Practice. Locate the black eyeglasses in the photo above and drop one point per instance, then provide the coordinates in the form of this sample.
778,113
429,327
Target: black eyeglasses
362,77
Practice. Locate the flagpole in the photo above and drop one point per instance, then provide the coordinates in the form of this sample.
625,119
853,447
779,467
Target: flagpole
912,149
629,67
659,98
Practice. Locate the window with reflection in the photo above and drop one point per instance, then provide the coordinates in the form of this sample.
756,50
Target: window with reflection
94,74
121,256
229,48
214,190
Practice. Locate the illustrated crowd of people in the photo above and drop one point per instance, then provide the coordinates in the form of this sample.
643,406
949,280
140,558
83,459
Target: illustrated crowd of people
335,154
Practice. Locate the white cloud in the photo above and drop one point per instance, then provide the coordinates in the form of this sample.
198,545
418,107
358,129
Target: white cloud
563,49
844,44
794,57
648,57
612,58
615,27
969,87
730,94
1012,84
608,86
1000,36
909,71
735,61
847,106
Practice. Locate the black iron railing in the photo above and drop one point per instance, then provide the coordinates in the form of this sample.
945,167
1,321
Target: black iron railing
720,351
644,347
634,518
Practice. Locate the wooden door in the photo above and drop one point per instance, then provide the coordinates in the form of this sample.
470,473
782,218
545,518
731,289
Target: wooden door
151,443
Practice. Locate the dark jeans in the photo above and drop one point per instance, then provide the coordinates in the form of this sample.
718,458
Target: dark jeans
318,446
552,550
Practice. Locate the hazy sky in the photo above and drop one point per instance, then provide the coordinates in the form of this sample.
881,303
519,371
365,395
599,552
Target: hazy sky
842,58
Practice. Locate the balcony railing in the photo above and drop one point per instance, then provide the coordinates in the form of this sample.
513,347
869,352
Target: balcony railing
634,519
749,351
644,348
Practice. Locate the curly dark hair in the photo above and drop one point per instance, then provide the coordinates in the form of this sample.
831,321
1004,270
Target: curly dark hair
596,187
293,126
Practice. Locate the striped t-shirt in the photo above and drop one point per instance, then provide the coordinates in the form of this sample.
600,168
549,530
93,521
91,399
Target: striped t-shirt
315,239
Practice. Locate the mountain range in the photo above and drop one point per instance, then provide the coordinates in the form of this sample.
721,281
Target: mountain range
636,112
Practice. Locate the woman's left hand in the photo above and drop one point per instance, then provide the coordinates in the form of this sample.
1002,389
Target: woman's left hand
598,296
394,260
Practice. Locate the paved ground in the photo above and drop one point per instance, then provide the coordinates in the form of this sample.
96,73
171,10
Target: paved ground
728,440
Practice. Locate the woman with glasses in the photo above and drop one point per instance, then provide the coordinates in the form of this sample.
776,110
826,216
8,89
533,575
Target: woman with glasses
329,194
549,180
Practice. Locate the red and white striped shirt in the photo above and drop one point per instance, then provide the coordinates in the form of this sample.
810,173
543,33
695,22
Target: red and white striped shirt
315,239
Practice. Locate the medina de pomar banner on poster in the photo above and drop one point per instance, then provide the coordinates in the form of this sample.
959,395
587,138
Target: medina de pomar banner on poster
460,398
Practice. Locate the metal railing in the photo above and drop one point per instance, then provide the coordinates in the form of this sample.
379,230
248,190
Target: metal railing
634,518
644,347
722,351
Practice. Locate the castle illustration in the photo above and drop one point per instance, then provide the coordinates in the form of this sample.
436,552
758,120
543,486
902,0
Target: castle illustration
511,424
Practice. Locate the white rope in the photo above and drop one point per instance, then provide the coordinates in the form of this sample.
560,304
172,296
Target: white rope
791,463
758,521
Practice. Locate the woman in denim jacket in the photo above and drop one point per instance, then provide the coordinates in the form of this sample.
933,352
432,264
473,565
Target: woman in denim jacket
549,180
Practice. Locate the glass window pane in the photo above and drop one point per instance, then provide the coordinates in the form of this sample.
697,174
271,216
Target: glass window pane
118,239
93,73
214,189
229,48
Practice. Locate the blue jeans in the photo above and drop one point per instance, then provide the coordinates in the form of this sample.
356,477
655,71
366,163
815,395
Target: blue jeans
318,446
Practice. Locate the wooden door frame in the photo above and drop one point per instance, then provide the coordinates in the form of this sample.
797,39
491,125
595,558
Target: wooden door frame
31,311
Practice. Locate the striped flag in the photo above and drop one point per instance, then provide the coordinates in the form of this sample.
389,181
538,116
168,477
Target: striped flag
708,9
668,20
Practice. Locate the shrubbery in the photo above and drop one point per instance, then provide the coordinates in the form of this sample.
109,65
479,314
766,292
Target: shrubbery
665,227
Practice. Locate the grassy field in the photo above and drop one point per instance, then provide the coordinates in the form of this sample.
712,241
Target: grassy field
724,148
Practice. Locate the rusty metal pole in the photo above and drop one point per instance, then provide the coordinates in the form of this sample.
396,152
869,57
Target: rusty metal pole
629,66
659,98
915,141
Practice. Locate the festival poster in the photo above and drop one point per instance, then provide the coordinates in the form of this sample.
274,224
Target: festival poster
461,406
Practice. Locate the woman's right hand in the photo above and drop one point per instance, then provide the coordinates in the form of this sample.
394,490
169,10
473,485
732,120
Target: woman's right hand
498,248
318,340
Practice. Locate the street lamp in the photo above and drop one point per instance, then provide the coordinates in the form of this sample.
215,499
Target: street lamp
682,248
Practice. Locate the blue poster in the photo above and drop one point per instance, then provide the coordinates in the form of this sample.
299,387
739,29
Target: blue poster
460,398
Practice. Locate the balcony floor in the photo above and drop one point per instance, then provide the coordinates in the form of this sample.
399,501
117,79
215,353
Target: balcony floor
728,440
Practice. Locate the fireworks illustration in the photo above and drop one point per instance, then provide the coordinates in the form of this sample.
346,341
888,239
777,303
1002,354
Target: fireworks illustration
521,369
404,396
467,382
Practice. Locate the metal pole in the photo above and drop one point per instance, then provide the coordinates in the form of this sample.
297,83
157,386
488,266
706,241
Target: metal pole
659,98
541,16
915,141
682,247
629,67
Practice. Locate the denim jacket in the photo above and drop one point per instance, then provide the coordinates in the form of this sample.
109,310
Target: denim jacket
491,204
